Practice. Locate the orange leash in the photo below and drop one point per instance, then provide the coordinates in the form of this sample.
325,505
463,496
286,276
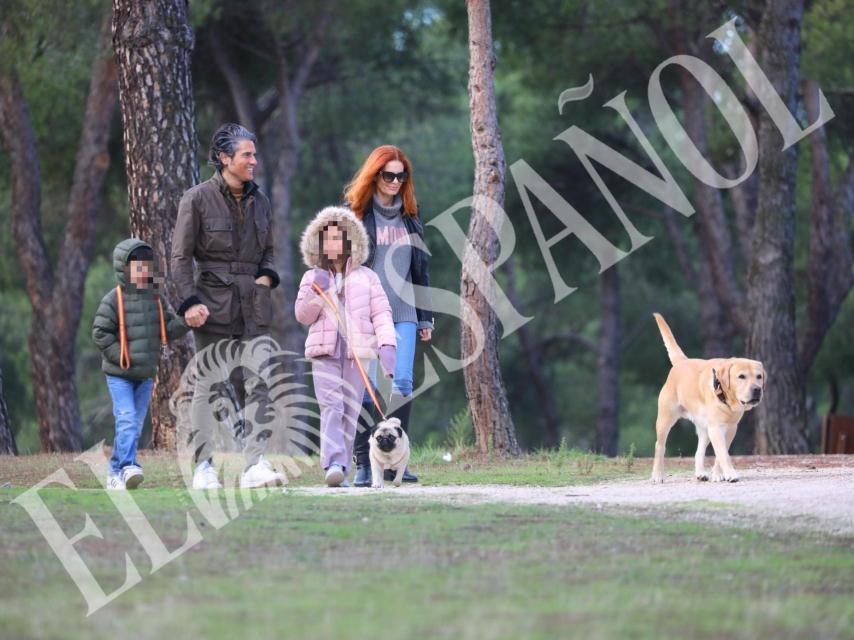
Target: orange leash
124,355
364,375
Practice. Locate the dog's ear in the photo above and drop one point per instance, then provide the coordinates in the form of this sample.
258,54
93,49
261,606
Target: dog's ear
721,382
399,432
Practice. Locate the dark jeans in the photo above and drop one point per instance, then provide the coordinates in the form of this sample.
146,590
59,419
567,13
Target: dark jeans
231,391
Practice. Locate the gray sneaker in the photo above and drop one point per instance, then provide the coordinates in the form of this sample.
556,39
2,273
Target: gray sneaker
334,475
115,482
132,476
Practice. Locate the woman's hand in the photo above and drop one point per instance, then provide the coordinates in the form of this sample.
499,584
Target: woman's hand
426,334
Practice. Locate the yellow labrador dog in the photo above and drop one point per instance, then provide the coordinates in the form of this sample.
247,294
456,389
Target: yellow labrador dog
713,394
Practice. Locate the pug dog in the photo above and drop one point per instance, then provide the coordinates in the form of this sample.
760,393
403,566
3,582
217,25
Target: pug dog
389,449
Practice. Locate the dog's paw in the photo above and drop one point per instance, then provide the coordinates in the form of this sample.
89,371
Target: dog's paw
732,476
397,483
716,475
702,477
375,485
657,478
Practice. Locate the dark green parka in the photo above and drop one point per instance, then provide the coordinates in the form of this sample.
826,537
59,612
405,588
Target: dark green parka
142,322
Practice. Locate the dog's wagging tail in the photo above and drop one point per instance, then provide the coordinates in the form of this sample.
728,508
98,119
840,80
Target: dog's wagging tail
674,352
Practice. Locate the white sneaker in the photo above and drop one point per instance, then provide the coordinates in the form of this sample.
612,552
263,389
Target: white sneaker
132,476
115,482
205,477
261,474
334,475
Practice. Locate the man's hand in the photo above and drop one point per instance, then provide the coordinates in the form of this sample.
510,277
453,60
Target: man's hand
196,315
425,334
267,281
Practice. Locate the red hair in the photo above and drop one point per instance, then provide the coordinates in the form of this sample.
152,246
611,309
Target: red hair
361,188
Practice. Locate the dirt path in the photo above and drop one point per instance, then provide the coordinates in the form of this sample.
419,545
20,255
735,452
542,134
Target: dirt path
816,500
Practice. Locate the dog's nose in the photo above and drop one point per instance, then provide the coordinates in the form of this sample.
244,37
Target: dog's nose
757,393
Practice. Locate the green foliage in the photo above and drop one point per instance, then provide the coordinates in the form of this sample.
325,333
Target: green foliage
460,431
398,75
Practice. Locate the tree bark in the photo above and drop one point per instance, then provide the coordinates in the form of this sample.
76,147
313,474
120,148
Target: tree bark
153,42
487,397
608,369
781,417
7,436
56,297
711,219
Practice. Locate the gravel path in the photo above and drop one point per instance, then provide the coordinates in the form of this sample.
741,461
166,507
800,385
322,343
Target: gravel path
817,500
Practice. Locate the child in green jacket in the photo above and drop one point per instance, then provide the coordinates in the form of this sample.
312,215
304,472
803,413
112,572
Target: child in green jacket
131,325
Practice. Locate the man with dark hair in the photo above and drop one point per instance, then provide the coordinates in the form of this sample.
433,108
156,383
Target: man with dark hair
224,224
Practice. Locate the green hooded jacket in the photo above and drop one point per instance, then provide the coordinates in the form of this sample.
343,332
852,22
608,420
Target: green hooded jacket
142,322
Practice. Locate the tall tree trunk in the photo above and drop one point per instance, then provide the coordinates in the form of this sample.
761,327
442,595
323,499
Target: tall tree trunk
153,42
535,365
276,123
284,120
781,417
7,436
56,297
830,270
608,370
711,219
487,397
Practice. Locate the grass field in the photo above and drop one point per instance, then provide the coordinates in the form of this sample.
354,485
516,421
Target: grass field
545,468
387,565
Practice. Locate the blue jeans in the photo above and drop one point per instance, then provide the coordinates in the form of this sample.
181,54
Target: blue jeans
130,404
405,333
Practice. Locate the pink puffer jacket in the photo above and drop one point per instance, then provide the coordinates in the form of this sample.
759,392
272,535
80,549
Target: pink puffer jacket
363,305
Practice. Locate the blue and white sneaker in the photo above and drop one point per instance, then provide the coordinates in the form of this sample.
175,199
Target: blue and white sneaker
115,482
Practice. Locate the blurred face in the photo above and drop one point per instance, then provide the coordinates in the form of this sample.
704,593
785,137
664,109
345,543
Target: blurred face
390,189
242,165
333,243
141,273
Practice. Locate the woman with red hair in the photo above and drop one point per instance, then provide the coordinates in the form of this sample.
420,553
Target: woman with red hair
382,195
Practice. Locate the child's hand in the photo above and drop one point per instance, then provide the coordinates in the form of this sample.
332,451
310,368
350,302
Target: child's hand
388,357
321,278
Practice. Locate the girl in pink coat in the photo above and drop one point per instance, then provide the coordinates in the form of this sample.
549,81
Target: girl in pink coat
334,246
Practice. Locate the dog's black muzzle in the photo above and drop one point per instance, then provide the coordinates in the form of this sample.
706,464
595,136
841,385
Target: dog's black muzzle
386,443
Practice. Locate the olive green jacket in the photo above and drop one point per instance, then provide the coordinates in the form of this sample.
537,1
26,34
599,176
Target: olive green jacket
232,244
142,322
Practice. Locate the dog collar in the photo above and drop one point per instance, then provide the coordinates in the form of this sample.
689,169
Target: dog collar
719,390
